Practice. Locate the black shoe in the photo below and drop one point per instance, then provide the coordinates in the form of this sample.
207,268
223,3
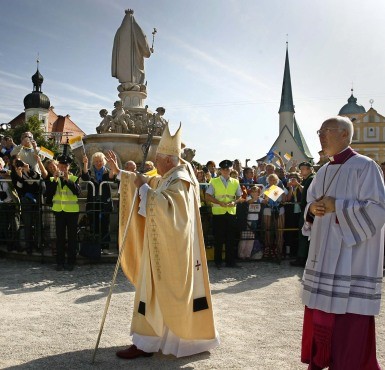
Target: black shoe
219,266
69,267
60,267
299,262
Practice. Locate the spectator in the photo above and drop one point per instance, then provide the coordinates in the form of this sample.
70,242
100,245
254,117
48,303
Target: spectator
280,172
224,193
254,202
7,146
7,162
250,235
247,180
205,210
274,221
211,167
130,166
148,166
26,182
48,170
307,173
26,151
99,201
238,167
270,168
234,174
292,213
9,211
64,189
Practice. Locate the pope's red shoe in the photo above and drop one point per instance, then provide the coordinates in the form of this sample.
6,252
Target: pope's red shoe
133,352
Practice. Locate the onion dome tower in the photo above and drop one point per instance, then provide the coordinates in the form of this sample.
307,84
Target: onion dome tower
352,107
36,103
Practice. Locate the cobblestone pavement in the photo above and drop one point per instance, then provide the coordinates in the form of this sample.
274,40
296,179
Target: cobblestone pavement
50,320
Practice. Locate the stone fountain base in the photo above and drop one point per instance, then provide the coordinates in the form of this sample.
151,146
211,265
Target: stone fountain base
126,147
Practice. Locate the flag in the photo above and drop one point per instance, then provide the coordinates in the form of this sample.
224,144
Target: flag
75,142
278,163
274,192
287,156
46,152
270,155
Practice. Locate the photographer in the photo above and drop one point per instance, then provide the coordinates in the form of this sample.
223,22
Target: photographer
26,151
64,189
25,181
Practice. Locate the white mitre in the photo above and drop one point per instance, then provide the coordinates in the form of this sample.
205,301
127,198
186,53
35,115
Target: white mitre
171,145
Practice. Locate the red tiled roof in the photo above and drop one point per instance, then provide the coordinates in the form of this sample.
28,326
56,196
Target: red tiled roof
56,123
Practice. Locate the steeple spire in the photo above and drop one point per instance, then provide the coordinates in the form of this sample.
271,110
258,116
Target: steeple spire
287,95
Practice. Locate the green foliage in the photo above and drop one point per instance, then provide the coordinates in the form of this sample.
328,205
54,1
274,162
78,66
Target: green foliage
33,125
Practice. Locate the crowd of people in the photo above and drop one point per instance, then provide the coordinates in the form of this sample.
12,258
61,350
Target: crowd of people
255,226
261,226
43,195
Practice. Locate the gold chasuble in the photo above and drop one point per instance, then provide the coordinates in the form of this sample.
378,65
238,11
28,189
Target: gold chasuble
165,257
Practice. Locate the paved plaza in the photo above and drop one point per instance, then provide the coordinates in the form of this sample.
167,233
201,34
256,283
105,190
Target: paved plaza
50,320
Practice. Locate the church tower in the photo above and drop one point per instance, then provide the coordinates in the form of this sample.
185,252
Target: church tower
290,139
286,109
36,103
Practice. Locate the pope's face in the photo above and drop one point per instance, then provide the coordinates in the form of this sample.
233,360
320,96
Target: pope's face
163,164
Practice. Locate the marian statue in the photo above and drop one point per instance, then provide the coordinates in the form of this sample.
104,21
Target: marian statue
130,49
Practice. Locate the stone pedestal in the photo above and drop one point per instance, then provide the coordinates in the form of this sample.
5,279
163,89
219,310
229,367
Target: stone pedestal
132,99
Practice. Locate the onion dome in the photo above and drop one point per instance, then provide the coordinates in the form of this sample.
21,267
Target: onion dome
352,107
36,99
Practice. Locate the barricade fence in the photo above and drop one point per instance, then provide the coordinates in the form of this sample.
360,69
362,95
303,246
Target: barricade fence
30,226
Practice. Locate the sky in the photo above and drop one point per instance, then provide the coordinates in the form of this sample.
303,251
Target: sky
217,66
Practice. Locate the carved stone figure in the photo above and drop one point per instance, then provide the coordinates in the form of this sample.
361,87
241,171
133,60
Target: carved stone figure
120,119
128,53
105,124
188,154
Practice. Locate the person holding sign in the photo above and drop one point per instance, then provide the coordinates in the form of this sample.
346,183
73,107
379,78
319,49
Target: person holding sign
273,217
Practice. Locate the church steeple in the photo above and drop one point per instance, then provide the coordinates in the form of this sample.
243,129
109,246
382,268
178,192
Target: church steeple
286,109
287,95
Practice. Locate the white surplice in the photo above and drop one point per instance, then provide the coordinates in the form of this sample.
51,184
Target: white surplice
345,264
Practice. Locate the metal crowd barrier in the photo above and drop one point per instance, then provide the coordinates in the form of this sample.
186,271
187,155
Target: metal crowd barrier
31,227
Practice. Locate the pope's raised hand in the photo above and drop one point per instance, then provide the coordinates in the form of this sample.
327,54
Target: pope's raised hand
112,161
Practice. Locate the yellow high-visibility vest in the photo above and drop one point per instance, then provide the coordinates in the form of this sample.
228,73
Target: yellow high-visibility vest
224,194
64,199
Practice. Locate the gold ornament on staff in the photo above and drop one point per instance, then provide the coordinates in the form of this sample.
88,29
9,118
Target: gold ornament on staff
153,39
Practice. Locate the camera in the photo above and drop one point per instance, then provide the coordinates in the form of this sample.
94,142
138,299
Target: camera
3,171
19,163
61,173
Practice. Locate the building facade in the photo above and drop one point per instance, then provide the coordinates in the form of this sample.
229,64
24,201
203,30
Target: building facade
369,129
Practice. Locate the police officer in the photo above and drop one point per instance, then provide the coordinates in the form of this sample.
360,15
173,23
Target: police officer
64,190
224,192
